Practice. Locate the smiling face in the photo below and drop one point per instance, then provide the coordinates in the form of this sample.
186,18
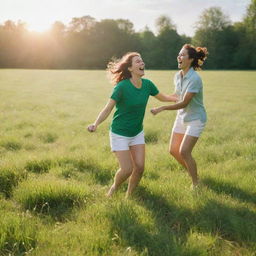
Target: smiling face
138,66
183,59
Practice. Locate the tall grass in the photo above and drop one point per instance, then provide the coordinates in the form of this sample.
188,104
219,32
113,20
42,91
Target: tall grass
9,178
49,196
18,234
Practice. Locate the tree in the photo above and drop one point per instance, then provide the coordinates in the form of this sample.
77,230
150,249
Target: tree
81,24
213,30
148,42
250,25
125,25
214,19
164,22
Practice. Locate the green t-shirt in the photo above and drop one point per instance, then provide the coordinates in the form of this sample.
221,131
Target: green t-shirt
130,106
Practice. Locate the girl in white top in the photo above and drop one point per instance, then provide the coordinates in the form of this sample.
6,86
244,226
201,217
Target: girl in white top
191,114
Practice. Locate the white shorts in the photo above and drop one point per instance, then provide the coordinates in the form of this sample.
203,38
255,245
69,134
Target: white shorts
120,143
193,128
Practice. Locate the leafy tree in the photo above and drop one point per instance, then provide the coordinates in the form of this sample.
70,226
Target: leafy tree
213,30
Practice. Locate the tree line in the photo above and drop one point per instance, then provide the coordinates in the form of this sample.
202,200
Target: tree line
86,43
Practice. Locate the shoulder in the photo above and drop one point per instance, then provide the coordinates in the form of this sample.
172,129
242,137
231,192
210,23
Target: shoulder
176,76
195,79
149,84
146,81
122,83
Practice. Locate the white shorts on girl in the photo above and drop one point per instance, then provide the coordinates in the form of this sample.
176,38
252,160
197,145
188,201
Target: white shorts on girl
193,128
120,143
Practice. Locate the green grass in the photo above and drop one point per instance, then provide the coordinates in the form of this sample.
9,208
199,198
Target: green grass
9,178
18,234
54,174
45,195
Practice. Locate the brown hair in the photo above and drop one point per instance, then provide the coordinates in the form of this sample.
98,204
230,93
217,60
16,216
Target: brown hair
199,54
118,69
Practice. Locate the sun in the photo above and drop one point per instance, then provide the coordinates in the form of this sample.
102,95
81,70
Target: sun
39,26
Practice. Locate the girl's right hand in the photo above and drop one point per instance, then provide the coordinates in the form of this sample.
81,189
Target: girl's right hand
155,111
91,128
175,97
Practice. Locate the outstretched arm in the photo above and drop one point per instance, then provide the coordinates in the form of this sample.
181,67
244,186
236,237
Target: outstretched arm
102,115
165,98
187,98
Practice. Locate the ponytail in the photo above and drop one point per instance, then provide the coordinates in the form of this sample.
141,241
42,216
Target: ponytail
198,54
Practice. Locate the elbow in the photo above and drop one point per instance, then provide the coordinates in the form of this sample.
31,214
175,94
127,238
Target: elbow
183,104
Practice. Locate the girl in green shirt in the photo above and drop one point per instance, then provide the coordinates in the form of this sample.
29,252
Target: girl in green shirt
130,97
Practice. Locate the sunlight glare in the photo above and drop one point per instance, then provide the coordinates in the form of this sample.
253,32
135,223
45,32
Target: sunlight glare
39,26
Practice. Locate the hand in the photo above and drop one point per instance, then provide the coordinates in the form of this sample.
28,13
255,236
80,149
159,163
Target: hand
91,128
155,111
175,97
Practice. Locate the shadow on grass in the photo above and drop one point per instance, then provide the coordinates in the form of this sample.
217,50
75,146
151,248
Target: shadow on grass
101,176
174,225
221,187
232,223
129,232
70,166
169,222
151,137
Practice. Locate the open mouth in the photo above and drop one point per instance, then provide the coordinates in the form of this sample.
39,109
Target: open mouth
142,69
179,62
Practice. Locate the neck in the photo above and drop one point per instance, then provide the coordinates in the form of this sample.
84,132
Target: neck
136,80
184,71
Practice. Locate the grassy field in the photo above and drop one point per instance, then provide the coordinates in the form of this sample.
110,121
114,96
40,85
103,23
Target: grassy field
54,174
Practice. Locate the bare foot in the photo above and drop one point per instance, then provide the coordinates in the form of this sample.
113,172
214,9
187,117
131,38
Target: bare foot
127,196
111,191
196,186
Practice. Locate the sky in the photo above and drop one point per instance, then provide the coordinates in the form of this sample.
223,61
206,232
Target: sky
40,14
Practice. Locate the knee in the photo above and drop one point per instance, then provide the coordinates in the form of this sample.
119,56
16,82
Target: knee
173,152
127,170
184,153
139,169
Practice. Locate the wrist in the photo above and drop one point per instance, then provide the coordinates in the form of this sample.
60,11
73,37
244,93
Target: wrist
162,108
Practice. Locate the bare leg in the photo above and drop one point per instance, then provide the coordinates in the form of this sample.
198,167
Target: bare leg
174,147
126,167
186,148
138,157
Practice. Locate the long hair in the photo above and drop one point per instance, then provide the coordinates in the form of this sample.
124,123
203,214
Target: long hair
118,69
199,54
